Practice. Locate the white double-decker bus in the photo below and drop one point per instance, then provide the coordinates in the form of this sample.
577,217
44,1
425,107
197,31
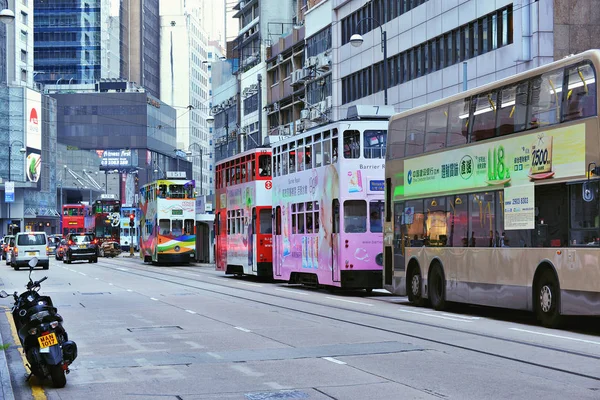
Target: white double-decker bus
492,195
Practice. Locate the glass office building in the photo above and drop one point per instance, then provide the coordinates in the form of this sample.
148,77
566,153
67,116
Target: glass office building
67,40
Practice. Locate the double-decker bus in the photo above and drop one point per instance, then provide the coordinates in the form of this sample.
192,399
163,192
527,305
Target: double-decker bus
167,231
328,202
492,195
243,214
129,234
73,218
105,218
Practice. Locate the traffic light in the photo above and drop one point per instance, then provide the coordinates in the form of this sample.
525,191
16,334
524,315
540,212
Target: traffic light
132,220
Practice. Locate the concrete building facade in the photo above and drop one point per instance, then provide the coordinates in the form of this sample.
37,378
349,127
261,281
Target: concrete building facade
20,41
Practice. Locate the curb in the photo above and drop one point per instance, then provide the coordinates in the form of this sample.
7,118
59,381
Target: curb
7,390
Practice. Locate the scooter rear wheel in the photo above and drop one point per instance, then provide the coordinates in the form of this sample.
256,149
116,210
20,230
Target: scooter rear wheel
57,374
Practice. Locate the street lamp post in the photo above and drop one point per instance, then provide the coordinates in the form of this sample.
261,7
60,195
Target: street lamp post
62,182
22,151
356,40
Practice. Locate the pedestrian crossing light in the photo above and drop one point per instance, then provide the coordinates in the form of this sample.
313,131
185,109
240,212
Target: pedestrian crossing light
132,220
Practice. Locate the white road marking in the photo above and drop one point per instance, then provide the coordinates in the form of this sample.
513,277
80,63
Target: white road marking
194,345
242,329
333,360
97,279
123,269
276,386
437,316
248,284
350,301
215,355
129,290
152,298
111,284
81,273
293,291
219,279
246,371
556,336
190,311
460,316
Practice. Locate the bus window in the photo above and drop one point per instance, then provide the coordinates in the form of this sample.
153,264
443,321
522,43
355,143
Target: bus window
162,189
581,95
414,219
512,109
253,170
351,144
276,171
546,96
375,142
294,215
435,133
253,226
284,163
300,155
458,123
264,165
307,157
415,136
482,220
317,155
397,139
484,116
376,216
188,227
355,216
435,222
164,226
292,161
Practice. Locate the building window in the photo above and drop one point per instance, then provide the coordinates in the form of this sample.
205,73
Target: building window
24,37
24,18
24,56
24,75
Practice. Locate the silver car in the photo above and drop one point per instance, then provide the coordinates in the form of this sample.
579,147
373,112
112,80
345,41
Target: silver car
27,246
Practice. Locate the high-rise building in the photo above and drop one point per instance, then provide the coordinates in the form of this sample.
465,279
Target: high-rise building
185,83
67,40
140,43
19,44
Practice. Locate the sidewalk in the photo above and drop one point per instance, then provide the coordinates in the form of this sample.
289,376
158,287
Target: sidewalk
6,391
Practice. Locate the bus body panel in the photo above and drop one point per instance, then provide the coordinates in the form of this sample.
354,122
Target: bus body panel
491,270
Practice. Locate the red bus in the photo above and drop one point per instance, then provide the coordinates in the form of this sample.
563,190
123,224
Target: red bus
243,222
73,218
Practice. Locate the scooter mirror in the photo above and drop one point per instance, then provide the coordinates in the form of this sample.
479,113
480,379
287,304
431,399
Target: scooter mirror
33,262
3,294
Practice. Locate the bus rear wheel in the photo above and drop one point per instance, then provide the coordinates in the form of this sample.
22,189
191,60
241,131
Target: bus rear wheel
415,283
547,300
437,288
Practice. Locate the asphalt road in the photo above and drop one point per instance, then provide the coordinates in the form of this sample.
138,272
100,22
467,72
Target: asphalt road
149,332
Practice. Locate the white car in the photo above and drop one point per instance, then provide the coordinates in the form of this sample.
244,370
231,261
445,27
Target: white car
27,246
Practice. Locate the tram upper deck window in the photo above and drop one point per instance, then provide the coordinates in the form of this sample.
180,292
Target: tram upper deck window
375,142
176,192
580,101
351,144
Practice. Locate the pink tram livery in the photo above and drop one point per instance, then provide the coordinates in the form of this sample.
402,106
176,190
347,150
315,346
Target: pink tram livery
328,202
243,220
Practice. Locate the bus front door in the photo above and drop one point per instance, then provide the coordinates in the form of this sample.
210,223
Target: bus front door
335,241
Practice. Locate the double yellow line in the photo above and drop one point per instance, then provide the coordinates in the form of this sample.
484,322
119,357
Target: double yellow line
36,391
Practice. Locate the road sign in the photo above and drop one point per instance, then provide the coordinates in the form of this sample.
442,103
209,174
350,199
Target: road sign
9,192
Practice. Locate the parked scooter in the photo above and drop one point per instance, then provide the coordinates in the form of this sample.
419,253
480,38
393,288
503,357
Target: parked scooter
39,326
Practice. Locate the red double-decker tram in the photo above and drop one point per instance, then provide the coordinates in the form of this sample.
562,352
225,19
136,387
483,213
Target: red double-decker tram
243,221
105,219
73,218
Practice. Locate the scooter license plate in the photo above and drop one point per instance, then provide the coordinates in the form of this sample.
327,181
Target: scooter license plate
47,340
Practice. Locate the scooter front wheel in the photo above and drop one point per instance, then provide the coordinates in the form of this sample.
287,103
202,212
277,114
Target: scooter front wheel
57,374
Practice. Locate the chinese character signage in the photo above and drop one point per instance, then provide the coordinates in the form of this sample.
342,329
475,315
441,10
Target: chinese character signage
513,161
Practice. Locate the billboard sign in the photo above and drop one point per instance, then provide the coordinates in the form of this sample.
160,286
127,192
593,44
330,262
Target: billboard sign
9,192
114,159
33,116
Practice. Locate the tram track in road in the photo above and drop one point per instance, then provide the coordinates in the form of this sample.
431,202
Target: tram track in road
168,277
